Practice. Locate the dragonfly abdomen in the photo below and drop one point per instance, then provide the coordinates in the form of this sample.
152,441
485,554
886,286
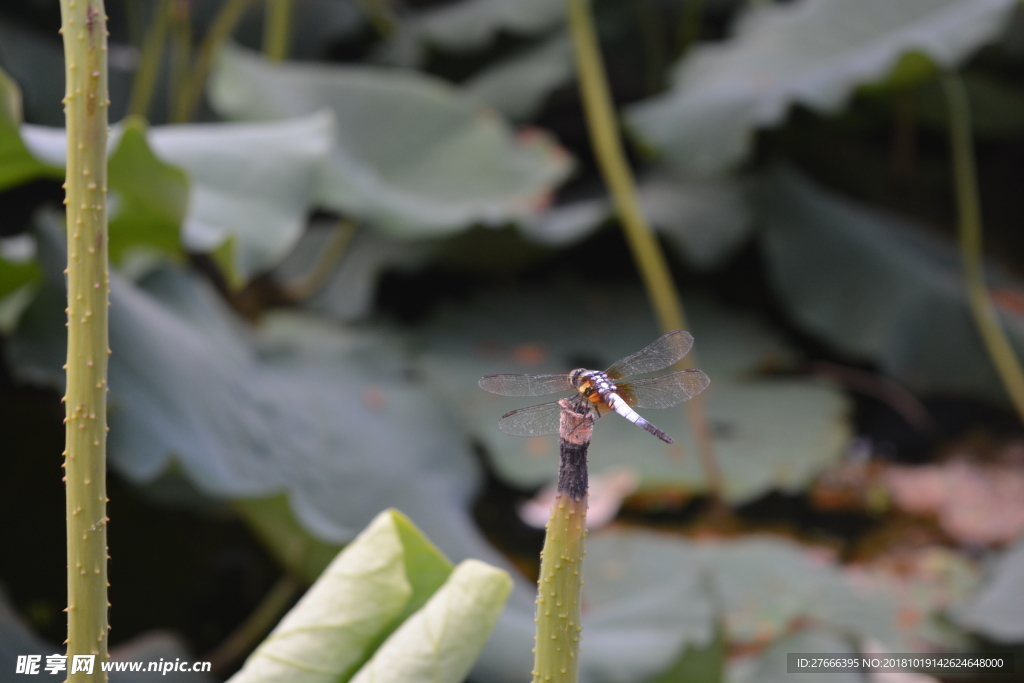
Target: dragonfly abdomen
622,408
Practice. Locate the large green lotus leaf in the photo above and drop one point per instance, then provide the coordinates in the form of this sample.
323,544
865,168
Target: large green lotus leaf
517,86
769,433
648,596
358,600
440,642
414,155
639,613
296,406
878,288
997,610
150,196
813,53
762,586
254,182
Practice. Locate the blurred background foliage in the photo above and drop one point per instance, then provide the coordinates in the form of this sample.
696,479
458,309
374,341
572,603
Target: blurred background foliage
330,217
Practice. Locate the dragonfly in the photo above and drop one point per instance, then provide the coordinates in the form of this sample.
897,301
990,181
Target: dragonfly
604,392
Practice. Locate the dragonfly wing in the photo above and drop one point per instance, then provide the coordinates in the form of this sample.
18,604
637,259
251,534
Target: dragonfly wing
664,391
658,355
524,385
532,421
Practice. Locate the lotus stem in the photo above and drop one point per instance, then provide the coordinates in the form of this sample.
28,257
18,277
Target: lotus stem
277,29
971,251
647,253
220,30
180,58
84,28
330,255
247,635
556,655
144,83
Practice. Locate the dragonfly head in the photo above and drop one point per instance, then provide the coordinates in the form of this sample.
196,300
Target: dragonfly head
579,379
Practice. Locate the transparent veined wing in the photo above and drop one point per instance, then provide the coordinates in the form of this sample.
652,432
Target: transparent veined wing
544,418
658,355
532,421
524,385
664,391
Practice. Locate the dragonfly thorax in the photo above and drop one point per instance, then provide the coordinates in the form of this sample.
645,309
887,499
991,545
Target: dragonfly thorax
593,384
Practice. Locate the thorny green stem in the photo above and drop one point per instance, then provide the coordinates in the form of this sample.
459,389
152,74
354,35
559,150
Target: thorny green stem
84,28
556,653
149,63
971,251
220,30
277,29
647,253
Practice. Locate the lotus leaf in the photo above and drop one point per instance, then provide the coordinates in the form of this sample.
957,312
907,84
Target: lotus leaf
414,155
253,182
813,53
880,289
